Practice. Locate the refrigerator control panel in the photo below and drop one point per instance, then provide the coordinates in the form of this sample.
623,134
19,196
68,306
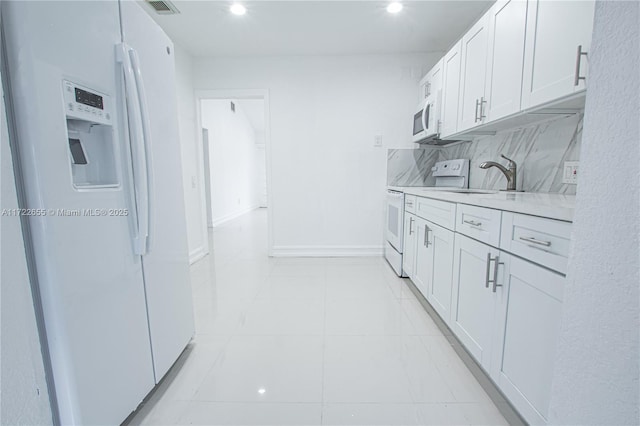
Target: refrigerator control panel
86,104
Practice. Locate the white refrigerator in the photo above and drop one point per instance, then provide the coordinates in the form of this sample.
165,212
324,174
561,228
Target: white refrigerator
93,127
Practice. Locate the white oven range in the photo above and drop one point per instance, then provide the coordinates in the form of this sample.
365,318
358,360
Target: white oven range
449,174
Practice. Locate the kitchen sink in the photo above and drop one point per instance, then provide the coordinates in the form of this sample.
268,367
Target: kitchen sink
472,191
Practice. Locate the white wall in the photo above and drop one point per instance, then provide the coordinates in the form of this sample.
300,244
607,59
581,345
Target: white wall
596,372
190,141
23,390
327,178
233,159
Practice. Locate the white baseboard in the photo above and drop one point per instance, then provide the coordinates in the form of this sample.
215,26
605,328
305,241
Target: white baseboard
197,254
326,251
231,216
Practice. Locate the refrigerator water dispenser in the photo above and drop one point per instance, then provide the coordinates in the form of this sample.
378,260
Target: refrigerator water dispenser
90,134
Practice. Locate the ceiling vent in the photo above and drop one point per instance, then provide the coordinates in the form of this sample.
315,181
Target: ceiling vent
163,7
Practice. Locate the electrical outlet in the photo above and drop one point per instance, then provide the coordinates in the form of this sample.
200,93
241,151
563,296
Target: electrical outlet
377,140
193,182
570,172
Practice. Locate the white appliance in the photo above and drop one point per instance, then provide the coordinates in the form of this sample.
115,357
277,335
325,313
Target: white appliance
91,99
394,230
426,119
449,174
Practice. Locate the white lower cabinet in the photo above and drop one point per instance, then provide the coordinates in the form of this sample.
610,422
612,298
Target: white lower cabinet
409,245
440,242
434,266
424,258
476,294
527,332
503,307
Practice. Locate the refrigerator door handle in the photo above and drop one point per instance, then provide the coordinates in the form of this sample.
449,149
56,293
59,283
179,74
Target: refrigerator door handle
138,151
146,131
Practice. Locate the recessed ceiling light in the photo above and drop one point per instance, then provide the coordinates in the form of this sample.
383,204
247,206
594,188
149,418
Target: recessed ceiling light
394,7
238,9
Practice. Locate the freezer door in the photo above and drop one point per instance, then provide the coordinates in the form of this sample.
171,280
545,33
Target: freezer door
166,263
89,277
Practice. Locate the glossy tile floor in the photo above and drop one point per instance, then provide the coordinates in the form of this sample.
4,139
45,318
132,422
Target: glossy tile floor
308,341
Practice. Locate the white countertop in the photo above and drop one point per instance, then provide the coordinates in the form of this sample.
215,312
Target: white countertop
552,206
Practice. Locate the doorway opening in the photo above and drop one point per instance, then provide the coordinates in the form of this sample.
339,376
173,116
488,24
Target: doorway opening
234,130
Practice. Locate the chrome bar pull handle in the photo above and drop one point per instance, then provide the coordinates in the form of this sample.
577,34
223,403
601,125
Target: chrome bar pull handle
578,61
486,281
534,241
495,273
475,118
410,225
493,281
472,222
482,102
426,235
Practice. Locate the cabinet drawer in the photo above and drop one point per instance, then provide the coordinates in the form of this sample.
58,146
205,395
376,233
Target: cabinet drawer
439,212
410,203
480,223
540,240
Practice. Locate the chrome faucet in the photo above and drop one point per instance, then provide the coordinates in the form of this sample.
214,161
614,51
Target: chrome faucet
509,173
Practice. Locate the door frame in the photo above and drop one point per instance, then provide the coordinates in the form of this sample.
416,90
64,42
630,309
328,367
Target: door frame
207,174
263,94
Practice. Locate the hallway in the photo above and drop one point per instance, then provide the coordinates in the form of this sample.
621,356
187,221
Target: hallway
307,341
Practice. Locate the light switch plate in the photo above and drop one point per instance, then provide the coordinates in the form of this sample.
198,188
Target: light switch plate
570,172
377,140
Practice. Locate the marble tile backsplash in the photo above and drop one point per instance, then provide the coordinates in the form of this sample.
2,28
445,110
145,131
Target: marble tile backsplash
411,167
540,152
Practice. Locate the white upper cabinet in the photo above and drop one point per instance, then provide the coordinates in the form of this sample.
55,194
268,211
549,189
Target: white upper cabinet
473,72
557,33
450,91
423,89
432,82
507,20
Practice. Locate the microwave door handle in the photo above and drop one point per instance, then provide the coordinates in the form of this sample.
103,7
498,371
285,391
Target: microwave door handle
425,114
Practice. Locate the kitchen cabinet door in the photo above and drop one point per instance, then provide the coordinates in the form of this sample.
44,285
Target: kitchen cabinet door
473,316
423,88
527,334
556,30
507,22
435,80
431,83
441,244
409,247
450,91
472,75
424,258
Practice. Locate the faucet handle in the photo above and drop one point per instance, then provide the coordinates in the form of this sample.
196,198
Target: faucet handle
511,162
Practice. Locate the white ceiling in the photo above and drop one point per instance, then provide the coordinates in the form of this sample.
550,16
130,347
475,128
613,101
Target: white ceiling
206,28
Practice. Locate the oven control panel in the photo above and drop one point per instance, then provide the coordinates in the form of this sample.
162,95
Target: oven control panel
459,167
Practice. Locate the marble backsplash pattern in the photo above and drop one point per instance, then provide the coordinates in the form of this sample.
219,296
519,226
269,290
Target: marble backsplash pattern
540,152
411,167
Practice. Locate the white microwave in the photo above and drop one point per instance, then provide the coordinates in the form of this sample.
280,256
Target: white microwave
426,121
